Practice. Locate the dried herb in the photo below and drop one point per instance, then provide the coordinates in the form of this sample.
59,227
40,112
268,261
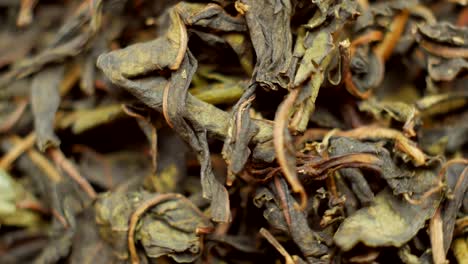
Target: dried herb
227,131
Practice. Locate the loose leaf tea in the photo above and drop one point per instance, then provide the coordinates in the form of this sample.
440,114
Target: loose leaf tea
233,131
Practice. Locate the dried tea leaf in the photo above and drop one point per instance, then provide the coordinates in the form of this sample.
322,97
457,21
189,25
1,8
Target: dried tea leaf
306,239
305,103
244,50
270,32
401,181
91,118
45,100
168,228
224,93
450,207
241,131
166,51
460,250
272,212
68,201
380,13
405,148
14,46
367,72
445,139
69,41
404,62
171,167
88,70
195,135
446,69
405,255
281,213
13,193
323,11
110,170
315,51
445,32
358,184
211,16
390,221
398,111
448,48
314,56
214,88
150,92
442,103
88,247
113,211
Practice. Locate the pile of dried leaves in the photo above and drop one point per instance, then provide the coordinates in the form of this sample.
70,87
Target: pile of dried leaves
248,131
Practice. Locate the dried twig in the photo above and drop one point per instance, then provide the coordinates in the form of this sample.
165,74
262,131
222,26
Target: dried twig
270,238
17,150
281,146
437,238
67,166
385,48
14,117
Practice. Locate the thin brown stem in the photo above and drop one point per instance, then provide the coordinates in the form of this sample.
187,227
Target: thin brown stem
25,16
60,218
385,48
183,41
444,51
401,142
462,20
281,146
68,167
40,208
44,165
32,205
107,170
272,240
364,39
164,104
12,119
154,148
283,202
437,238
71,77
17,150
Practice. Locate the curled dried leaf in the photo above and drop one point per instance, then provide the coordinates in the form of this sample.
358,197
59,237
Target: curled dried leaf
390,221
269,28
45,100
